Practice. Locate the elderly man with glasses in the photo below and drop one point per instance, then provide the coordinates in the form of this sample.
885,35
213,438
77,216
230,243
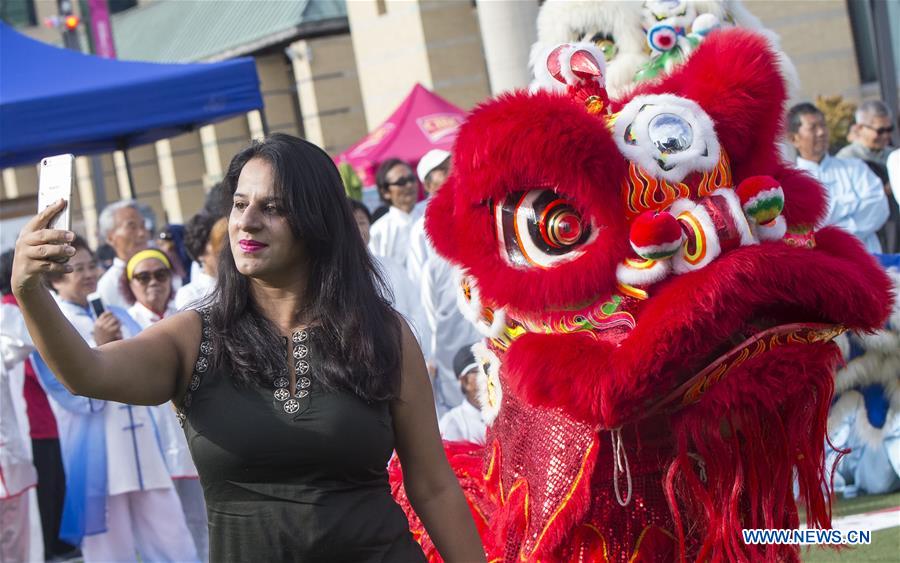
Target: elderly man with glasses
871,139
389,235
871,135
124,226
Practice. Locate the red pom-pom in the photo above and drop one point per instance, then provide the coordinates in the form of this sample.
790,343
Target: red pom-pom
655,235
752,186
762,198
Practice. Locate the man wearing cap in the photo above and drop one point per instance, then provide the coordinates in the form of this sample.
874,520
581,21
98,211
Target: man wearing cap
433,170
464,423
437,281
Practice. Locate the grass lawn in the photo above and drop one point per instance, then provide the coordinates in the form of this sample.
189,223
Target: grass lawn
885,544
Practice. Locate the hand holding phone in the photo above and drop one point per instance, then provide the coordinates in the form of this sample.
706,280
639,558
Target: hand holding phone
107,329
56,177
40,250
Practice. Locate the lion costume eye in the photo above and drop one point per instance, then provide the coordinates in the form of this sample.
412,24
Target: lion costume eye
539,228
606,44
662,37
668,136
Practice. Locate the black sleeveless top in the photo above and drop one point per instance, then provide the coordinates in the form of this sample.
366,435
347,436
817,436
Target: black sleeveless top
293,475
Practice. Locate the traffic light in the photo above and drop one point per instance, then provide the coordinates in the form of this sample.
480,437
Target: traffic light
69,25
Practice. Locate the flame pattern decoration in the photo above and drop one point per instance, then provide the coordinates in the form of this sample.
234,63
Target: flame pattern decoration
644,192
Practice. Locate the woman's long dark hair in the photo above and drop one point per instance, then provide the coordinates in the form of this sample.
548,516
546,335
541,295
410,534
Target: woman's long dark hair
357,331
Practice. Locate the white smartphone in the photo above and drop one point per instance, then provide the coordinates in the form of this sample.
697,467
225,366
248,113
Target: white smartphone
56,176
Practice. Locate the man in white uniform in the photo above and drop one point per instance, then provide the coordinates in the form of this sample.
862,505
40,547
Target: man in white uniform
120,501
124,227
404,294
464,422
433,170
438,283
389,235
856,198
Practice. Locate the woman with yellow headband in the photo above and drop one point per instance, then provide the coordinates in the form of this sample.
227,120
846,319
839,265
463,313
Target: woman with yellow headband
147,285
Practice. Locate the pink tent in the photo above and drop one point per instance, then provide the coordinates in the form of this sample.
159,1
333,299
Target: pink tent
424,121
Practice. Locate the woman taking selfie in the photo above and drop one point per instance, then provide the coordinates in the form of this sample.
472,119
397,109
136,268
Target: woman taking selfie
296,381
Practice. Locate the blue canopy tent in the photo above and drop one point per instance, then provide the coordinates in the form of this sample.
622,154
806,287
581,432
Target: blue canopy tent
55,101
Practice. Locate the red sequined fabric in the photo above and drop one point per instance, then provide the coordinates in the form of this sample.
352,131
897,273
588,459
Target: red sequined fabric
547,487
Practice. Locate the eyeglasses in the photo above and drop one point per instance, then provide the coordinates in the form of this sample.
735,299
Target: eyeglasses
162,275
879,130
404,181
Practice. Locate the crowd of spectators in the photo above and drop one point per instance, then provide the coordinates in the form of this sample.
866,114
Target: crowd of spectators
862,184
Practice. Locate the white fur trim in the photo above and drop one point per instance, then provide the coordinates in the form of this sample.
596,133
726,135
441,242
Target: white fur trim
773,230
679,206
894,320
641,110
737,215
657,12
868,369
620,73
667,247
636,277
484,355
847,403
843,343
713,248
880,366
849,412
704,23
495,329
472,310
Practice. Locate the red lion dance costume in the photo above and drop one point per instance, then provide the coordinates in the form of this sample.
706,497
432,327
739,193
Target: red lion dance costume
661,310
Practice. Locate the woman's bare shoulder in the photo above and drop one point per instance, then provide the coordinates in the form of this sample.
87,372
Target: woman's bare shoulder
183,330
183,325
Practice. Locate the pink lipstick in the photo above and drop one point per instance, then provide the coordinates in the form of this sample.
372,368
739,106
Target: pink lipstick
251,245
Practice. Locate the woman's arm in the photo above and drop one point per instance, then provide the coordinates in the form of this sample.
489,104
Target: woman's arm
431,486
145,370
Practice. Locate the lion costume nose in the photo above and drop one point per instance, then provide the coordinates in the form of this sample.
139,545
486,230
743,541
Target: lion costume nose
691,234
